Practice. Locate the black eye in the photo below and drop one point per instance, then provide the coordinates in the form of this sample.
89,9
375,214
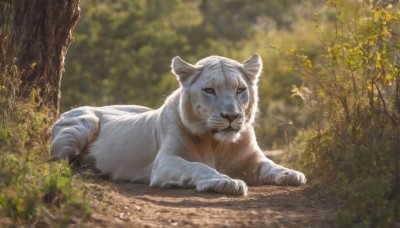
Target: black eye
209,90
240,90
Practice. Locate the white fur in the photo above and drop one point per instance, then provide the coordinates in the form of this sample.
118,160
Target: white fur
189,141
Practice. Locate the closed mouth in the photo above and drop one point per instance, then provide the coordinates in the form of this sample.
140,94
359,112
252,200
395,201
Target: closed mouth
227,130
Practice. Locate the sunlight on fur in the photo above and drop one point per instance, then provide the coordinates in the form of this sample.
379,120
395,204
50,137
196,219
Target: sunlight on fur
202,136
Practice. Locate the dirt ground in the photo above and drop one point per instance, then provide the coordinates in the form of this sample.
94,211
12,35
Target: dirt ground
136,205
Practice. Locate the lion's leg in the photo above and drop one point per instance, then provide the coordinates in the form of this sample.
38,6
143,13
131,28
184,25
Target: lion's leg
70,135
174,171
256,169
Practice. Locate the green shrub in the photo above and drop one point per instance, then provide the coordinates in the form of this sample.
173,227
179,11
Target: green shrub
33,191
353,91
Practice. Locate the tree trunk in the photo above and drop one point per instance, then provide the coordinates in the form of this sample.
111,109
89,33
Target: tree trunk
40,35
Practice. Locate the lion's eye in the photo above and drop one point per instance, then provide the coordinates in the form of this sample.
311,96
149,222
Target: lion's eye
240,90
209,90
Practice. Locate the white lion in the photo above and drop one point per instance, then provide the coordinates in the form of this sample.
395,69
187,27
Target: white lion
202,137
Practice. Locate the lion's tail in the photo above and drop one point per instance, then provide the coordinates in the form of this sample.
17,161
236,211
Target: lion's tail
72,134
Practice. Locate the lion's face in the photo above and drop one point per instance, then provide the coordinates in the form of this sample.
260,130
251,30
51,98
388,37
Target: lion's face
219,95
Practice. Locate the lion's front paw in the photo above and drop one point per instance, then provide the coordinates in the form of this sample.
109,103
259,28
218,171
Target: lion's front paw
290,177
225,186
282,176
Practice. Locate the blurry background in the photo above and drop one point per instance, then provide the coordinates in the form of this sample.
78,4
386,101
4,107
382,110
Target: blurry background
123,49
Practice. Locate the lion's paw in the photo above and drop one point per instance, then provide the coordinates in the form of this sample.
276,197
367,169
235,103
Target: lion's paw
225,186
283,176
290,177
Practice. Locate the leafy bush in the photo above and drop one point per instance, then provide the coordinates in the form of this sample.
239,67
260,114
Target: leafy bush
353,91
33,192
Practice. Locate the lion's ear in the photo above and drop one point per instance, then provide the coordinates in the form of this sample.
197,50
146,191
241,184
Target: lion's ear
185,72
253,67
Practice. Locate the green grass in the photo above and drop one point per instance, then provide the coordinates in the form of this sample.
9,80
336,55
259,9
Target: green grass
32,191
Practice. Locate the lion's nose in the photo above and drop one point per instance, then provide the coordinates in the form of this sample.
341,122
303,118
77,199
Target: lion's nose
230,117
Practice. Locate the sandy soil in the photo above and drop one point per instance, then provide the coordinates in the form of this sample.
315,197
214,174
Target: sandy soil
135,205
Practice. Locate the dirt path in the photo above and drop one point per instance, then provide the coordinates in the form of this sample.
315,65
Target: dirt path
134,205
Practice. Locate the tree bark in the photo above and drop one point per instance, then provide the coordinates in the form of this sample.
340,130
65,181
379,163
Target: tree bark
41,32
